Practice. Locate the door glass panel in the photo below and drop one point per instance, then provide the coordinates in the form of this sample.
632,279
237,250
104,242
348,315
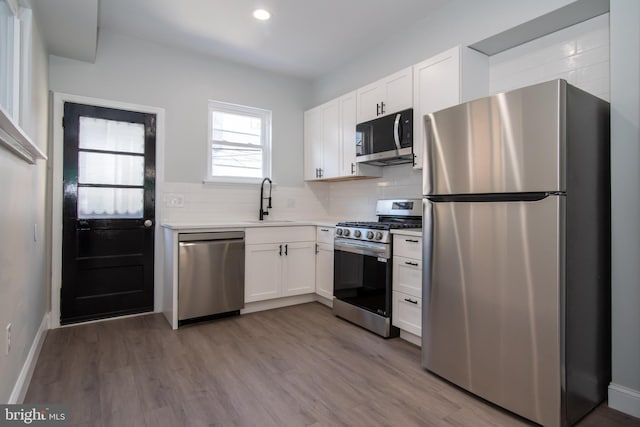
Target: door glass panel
100,202
111,135
103,168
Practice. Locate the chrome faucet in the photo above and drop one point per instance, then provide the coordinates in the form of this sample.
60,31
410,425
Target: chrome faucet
264,212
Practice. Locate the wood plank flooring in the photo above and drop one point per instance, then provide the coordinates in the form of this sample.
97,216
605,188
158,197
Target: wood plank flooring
296,366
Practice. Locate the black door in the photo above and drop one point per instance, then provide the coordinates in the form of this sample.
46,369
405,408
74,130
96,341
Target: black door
108,212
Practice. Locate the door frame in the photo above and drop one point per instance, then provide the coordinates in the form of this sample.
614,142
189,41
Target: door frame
55,174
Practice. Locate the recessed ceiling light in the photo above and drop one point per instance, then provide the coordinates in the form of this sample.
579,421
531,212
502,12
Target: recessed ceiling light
261,14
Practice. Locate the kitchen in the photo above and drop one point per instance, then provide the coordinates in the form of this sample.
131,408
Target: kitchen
134,71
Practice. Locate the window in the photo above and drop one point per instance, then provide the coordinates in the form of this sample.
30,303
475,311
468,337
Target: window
9,57
239,143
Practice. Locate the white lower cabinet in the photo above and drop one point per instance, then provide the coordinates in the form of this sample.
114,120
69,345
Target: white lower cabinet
324,270
407,313
407,283
279,262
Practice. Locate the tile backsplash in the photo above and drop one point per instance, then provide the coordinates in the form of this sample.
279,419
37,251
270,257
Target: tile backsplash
578,54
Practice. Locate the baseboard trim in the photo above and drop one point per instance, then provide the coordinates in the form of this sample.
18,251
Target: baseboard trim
24,379
624,399
253,307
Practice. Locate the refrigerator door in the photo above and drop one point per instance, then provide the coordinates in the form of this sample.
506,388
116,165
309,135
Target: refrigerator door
508,143
491,303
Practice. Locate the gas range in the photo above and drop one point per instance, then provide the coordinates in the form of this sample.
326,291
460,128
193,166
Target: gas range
362,284
379,232
392,214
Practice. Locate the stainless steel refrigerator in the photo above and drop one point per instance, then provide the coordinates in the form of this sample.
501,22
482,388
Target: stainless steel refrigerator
517,250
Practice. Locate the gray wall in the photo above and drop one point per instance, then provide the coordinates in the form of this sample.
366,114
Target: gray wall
24,262
625,155
139,72
458,22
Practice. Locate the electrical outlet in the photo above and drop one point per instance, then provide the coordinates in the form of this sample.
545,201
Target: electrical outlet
174,200
8,348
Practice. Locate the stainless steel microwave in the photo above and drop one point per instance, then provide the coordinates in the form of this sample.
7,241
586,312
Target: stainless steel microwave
386,140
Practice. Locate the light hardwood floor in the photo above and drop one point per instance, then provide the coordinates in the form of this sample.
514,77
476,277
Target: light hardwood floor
296,366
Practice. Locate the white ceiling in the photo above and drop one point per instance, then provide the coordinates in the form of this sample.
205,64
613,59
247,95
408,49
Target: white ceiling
303,38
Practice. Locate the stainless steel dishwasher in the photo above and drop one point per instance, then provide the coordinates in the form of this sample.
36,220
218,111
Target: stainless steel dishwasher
210,274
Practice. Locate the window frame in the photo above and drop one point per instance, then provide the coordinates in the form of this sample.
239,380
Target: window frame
264,115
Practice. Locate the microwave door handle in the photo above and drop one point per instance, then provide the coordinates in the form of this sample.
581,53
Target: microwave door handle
396,131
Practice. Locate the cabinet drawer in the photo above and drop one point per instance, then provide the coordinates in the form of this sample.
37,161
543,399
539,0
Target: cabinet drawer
407,313
407,246
325,234
407,276
260,235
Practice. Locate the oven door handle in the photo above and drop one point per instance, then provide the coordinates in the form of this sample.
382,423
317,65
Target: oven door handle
356,248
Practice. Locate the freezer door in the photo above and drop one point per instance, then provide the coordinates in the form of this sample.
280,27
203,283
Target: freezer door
508,143
491,301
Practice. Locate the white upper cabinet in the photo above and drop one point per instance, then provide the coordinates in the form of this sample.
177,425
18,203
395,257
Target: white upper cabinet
386,96
330,142
457,75
322,141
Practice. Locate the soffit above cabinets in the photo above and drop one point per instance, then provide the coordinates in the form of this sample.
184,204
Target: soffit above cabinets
69,27
551,22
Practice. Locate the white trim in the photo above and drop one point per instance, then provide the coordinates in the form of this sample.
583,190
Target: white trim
24,379
624,399
270,304
56,179
265,117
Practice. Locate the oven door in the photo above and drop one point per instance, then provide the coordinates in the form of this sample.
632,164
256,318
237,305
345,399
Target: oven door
362,275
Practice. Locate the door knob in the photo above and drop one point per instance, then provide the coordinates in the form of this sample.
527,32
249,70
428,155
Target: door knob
148,223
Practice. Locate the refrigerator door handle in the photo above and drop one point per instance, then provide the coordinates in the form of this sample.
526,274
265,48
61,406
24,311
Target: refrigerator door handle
498,197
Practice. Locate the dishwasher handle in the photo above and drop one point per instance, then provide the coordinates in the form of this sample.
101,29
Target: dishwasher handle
206,237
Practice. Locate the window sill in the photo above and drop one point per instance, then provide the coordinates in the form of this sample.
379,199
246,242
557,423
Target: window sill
233,181
16,140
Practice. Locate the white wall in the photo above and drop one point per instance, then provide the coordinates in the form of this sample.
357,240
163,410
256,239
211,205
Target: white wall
624,393
458,22
23,261
579,54
140,72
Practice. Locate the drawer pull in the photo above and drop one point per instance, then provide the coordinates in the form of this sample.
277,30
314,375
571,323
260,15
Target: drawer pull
324,229
411,301
415,264
411,240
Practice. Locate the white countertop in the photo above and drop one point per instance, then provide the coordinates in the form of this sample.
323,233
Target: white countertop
414,232
180,226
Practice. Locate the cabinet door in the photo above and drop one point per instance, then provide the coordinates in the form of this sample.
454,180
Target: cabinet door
369,100
348,165
398,92
407,276
407,313
324,270
263,272
312,143
331,140
436,86
299,268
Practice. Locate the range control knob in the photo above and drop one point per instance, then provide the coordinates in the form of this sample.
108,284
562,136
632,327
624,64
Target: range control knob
369,234
339,231
378,235
357,233
346,232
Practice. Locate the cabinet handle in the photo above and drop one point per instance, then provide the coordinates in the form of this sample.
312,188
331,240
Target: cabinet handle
411,301
286,247
415,264
280,250
324,229
411,240
321,172
317,250
353,168
377,109
381,107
